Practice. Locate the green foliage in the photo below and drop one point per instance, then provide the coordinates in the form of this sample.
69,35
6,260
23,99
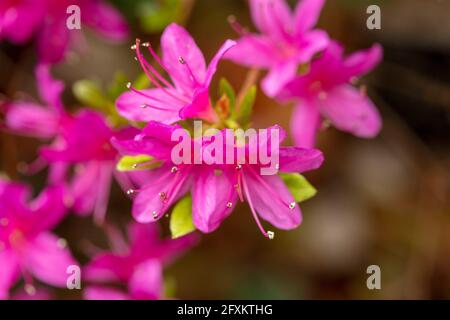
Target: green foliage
299,187
133,163
181,218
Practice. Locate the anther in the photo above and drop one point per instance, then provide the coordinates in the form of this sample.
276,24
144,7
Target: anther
292,205
229,205
130,192
128,85
174,169
30,289
146,44
133,47
238,167
181,60
155,215
270,235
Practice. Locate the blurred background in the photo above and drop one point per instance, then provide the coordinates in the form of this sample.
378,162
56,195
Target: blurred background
381,202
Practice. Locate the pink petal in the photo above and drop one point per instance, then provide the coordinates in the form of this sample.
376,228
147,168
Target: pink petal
278,77
307,14
48,209
108,267
10,272
21,21
32,120
305,123
212,67
84,187
351,111
48,261
271,199
200,108
254,51
272,17
161,106
104,293
363,61
53,41
295,159
310,44
211,192
50,90
176,42
147,281
148,205
105,19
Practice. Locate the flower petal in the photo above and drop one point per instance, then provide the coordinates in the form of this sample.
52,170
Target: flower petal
305,123
53,41
200,108
147,281
160,106
48,261
278,77
108,267
361,62
295,159
351,111
254,51
212,67
311,43
211,192
50,89
104,293
272,17
105,19
271,199
307,14
176,42
10,272
32,120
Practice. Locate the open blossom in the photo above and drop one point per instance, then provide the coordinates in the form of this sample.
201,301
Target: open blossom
138,265
81,141
21,20
325,92
188,94
215,188
27,247
286,40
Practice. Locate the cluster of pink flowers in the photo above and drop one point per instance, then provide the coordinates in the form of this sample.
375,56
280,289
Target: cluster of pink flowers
83,151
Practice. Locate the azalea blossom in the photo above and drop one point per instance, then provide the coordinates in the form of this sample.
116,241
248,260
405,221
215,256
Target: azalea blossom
80,141
187,96
286,40
139,264
27,247
326,92
215,188
45,20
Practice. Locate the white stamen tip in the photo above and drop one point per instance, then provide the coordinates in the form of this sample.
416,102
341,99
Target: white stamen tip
174,169
130,192
146,44
128,85
238,167
270,235
133,47
229,205
61,243
155,215
144,106
30,289
181,60
162,195
292,205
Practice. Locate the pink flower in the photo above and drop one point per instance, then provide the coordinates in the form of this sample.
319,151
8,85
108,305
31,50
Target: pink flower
325,92
188,94
139,265
81,141
26,245
20,20
287,39
215,188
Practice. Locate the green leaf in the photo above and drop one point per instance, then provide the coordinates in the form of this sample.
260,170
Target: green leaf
131,163
142,82
181,219
246,107
90,94
225,88
118,85
300,188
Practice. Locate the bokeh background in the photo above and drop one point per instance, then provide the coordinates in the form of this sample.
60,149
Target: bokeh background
383,201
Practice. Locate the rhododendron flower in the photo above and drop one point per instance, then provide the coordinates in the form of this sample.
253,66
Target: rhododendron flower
188,94
139,265
26,245
215,188
81,141
20,20
287,39
325,92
